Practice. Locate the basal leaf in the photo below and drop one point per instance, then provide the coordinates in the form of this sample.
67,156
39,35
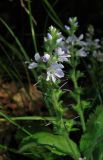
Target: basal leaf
94,134
55,143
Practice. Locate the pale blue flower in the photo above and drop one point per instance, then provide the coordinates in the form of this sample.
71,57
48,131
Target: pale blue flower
55,71
67,27
33,65
74,40
62,56
82,52
59,40
37,57
92,44
46,57
49,36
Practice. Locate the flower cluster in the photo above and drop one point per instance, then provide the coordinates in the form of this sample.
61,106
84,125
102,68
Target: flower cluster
53,57
60,49
93,45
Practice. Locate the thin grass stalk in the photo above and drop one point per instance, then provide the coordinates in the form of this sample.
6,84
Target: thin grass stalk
16,39
14,123
32,28
53,14
19,44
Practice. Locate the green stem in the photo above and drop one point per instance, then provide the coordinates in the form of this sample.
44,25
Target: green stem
82,120
74,154
62,126
79,109
26,118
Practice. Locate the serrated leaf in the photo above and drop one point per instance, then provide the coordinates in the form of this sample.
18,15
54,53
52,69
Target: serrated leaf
91,139
55,143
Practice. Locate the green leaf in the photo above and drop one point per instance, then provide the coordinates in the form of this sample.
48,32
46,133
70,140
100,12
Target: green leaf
35,151
85,104
98,152
94,134
55,143
29,148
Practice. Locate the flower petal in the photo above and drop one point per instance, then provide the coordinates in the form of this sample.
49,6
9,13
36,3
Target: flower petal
60,66
59,51
59,73
48,76
82,53
46,57
37,57
32,65
53,78
49,36
59,40
67,27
